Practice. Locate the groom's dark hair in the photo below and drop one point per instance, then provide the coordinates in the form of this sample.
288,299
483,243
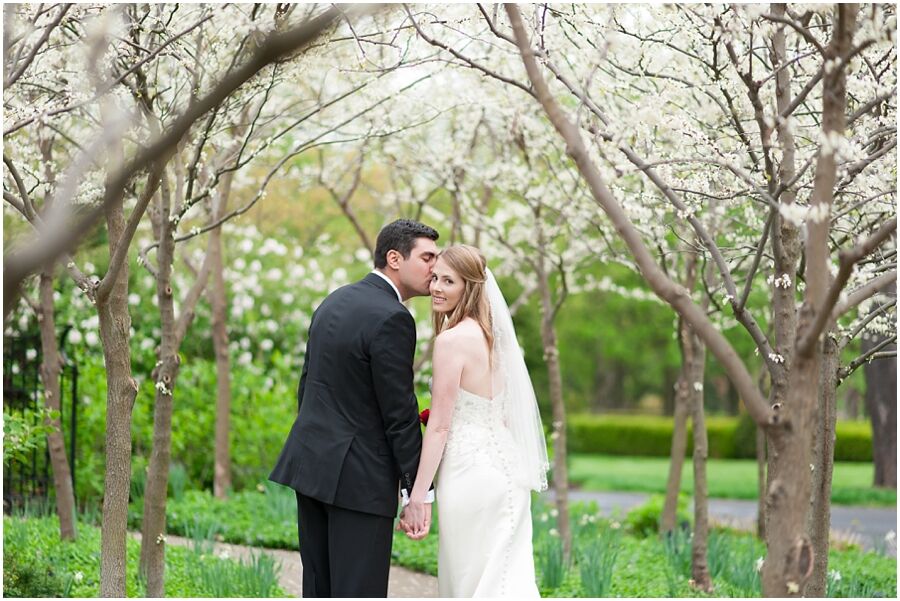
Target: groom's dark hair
401,236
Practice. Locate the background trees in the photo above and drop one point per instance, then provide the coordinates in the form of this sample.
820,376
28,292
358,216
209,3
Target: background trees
752,146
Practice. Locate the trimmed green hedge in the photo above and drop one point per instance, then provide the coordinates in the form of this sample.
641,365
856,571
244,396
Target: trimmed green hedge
729,437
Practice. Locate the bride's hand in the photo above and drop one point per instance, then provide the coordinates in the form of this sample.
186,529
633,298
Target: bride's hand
418,531
417,516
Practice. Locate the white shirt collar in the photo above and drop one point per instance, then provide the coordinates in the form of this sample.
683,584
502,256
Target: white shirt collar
388,280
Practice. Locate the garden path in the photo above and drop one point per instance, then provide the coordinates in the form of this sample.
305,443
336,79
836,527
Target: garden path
865,526
402,583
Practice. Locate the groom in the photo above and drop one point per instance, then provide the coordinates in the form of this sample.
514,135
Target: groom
357,432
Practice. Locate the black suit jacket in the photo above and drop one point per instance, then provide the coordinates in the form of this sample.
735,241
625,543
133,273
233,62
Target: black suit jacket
357,430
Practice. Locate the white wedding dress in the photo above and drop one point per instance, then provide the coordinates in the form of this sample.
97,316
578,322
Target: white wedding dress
484,506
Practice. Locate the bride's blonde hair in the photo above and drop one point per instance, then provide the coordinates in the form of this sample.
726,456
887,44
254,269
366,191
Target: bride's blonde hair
471,266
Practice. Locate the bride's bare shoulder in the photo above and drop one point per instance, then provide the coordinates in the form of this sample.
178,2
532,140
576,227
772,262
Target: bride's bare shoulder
461,335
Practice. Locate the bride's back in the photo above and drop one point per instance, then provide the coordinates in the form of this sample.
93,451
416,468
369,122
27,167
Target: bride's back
476,373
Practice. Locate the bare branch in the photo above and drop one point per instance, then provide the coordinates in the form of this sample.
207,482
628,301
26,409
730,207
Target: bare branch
675,295
803,31
877,311
17,265
24,197
106,88
864,292
14,77
870,355
760,248
469,62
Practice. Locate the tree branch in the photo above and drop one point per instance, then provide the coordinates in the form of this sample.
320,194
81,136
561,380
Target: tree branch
848,259
674,294
9,81
879,310
18,265
869,355
863,292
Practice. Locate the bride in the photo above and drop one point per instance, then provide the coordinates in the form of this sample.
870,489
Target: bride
484,444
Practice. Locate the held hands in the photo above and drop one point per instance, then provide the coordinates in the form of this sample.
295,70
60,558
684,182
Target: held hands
415,520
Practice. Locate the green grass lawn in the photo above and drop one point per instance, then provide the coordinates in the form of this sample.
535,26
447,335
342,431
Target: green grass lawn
728,478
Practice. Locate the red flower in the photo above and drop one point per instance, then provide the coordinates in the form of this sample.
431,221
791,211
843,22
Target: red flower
423,417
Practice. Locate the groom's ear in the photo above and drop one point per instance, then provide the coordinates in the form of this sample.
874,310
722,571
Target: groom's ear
393,259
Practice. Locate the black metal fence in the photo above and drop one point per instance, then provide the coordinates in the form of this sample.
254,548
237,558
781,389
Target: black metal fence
31,478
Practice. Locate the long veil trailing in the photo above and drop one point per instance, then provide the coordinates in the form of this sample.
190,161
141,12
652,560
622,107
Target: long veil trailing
510,377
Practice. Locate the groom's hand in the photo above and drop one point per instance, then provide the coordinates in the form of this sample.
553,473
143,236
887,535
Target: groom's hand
418,520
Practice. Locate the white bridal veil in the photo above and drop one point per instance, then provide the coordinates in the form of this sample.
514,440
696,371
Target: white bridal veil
510,377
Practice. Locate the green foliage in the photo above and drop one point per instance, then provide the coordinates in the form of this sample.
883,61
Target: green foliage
745,437
549,562
24,575
255,577
73,568
263,407
729,438
24,432
643,520
598,557
861,574
853,441
726,478
677,547
262,517
732,558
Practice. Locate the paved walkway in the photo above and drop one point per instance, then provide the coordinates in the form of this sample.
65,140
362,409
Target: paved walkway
865,526
402,583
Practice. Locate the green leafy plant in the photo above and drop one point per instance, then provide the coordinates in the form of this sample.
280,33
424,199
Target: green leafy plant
596,561
550,562
24,432
643,520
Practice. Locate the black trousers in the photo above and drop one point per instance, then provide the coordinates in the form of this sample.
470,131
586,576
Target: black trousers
345,553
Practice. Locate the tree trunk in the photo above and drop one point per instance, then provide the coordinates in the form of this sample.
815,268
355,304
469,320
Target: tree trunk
218,301
761,445
786,254
683,398
761,482
881,405
696,363
790,560
851,404
115,324
50,370
153,530
819,519
667,521
789,557
551,356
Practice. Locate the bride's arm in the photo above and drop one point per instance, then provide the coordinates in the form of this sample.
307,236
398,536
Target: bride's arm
447,366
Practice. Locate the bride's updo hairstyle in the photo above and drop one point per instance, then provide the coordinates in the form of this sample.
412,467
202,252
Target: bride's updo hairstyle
469,263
